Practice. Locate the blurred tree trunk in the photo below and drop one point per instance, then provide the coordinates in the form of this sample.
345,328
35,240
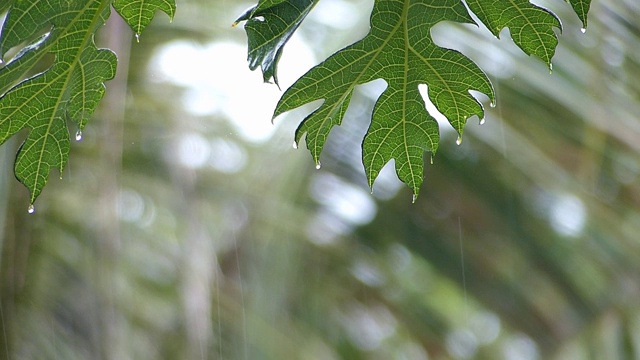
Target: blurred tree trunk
116,36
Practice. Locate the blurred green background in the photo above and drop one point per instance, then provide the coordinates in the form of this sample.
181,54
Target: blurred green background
186,227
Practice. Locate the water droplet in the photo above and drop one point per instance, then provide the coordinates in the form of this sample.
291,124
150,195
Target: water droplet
1,61
318,165
482,121
459,140
415,197
295,145
31,209
550,68
431,159
137,37
492,104
78,135
583,30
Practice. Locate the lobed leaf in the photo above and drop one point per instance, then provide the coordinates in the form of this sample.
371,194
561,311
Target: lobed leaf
265,4
139,13
399,50
531,27
581,8
269,26
68,90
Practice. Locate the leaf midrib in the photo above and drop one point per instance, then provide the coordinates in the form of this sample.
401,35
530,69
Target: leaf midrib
68,72
374,54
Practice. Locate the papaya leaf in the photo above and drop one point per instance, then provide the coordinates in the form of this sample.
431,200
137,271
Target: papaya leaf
139,13
399,50
269,26
531,27
581,7
69,89
265,4
5,5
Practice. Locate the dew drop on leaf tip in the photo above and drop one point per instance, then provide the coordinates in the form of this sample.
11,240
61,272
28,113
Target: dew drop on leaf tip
137,37
79,135
414,198
459,140
318,165
492,104
295,145
583,30
31,209
482,121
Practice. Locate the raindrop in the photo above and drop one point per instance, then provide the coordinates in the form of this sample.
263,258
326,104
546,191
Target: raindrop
79,135
31,209
137,37
459,140
1,61
482,121
550,68
583,30
415,197
431,159
492,104
318,165
295,145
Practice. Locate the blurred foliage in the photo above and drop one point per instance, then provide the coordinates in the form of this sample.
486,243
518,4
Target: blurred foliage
524,246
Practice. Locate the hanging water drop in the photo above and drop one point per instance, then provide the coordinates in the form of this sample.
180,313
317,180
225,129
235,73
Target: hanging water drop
295,145
492,104
415,197
583,30
318,165
79,135
482,121
431,159
137,37
31,209
550,68
459,140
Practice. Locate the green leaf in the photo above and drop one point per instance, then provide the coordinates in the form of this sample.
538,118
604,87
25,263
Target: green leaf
399,50
139,13
269,26
69,89
581,7
531,27
5,5
265,4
